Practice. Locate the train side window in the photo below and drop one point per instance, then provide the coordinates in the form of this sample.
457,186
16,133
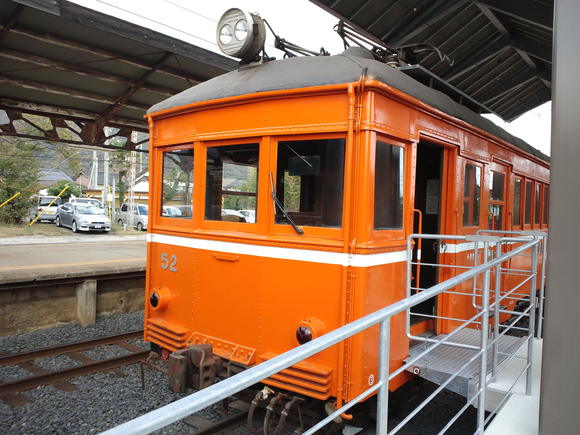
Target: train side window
496,200
537,205
232,183
528,205
546,204
517,216
309,181
176,193
389,174
471,195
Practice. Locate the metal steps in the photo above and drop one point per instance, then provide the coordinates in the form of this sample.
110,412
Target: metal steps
446,360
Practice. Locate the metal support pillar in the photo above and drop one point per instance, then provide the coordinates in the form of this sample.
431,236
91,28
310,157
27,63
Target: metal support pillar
561,352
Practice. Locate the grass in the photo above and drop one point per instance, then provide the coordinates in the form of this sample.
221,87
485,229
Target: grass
51,230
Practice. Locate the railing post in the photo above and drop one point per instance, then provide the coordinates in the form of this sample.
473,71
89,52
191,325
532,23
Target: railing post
383,393
475,263
532,320
483,360
542,285
496,308
408,283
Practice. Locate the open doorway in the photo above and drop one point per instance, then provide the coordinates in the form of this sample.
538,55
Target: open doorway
429,184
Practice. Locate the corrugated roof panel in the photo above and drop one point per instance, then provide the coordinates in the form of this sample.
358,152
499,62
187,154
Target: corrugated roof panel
483,35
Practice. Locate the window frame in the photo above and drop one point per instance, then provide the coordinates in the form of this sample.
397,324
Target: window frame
538,200
276,229
462,191
505,171
545,206
156,217
388,234
199,214
519,226
528,225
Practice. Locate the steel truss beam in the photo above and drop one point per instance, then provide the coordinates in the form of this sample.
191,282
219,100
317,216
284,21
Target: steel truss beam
76,133
530,12
78,69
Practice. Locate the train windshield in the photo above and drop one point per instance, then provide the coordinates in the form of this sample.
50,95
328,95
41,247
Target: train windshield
232,183
177,183
309,182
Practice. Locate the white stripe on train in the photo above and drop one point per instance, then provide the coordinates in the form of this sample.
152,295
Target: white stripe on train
309,255
313,256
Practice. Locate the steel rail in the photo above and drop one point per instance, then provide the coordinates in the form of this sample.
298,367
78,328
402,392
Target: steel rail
229,422
53,377
66,348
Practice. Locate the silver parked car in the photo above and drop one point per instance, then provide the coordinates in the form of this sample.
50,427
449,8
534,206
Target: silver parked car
139,215
81,217
87,201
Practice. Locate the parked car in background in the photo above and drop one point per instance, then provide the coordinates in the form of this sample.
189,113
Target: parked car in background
41,208
87,201
139,214
171,211
249,215
82,217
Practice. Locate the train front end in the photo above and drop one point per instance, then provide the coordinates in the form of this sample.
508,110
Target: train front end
246,252
261,211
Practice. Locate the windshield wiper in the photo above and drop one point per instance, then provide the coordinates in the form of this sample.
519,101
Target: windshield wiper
281,207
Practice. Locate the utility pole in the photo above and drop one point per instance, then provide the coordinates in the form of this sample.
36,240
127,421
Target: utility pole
94,177
105,194
132,162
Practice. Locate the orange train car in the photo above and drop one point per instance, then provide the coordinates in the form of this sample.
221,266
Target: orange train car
282,195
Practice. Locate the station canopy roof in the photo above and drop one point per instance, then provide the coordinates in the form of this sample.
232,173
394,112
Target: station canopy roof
502,49
72,63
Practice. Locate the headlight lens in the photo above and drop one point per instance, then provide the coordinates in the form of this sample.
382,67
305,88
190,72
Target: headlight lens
226,35
303,334
241,35
241,30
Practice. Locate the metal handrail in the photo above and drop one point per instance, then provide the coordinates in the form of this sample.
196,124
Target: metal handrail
195,402
543,236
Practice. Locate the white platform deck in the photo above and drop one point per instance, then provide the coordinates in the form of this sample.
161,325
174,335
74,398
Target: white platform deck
520,414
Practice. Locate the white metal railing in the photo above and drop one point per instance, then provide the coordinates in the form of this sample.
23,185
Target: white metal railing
543,248
195,402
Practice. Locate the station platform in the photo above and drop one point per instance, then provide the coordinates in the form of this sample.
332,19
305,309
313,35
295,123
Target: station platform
49,281
26,259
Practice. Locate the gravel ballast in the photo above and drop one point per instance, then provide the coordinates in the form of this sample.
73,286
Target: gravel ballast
102,399
105,400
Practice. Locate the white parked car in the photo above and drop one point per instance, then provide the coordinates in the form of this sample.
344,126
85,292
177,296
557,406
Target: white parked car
41,208
249,215
139,215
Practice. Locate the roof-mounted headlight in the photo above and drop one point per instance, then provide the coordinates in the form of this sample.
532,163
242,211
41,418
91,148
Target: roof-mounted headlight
241,35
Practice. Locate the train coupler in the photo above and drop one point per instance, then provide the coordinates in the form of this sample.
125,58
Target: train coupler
194,367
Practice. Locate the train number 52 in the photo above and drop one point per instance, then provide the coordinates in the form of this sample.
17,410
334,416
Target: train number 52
168,262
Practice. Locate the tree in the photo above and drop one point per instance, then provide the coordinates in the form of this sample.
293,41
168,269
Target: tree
120,163
73,189
18,173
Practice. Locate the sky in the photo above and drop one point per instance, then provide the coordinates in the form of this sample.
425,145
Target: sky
298,21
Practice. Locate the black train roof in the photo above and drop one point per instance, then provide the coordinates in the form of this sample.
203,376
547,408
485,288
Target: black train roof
347,67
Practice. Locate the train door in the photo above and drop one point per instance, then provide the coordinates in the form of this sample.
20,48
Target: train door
430,182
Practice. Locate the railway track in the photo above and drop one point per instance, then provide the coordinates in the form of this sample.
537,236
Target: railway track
25,360
234,416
